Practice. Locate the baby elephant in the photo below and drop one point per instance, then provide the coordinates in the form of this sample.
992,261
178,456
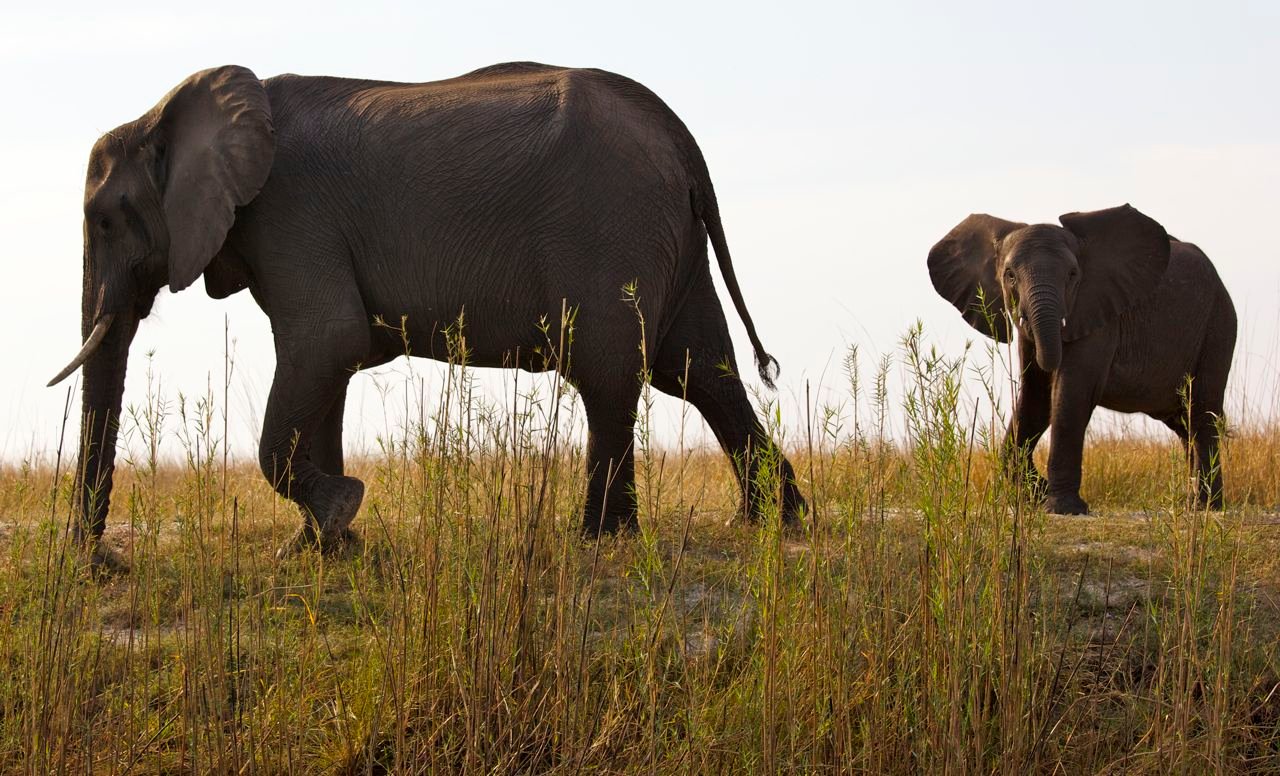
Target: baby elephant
1108,310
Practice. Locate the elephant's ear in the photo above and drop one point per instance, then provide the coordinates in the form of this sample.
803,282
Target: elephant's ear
962,267
212,152
1123,255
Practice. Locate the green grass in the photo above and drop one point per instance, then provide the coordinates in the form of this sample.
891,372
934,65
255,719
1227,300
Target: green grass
928,619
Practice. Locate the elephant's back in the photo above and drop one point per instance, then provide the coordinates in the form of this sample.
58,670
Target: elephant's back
514,126
304,105
513,93
1163,340
1188,295
539,132
1191,281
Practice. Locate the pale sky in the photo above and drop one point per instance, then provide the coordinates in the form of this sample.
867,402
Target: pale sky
844,139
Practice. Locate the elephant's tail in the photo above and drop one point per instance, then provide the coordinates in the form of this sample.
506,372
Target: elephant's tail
706,208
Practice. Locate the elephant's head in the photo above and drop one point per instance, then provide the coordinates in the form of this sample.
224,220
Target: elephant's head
1055,284
159,199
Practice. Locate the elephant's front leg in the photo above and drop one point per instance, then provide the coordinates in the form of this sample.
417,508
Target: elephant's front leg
1073,404
326,451
1030,420
300,453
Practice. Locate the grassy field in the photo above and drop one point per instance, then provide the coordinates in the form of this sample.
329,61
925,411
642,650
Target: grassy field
928,619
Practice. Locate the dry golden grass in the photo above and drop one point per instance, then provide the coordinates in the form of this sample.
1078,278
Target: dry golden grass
928,619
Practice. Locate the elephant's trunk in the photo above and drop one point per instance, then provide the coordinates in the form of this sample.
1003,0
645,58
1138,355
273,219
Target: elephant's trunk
101,399
1045,305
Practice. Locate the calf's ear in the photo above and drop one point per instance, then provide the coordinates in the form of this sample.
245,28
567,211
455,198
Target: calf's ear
963,269
1123,255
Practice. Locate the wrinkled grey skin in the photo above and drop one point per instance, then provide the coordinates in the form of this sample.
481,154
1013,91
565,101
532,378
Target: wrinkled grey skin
1109,311
510,193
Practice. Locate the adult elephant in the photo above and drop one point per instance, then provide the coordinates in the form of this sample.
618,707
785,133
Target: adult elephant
1109,311
510,193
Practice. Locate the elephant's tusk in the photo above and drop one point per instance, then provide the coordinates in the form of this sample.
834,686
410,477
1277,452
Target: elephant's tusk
1064,323
90,345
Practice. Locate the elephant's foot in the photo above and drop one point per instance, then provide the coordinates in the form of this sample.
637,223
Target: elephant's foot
1068,504
1210,502
308,537
1037,488
791,511
326,525
597,525
794,506
103,562
1029,480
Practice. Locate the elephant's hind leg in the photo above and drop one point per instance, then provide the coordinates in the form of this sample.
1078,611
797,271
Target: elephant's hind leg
611,469
300,453
761,469
1208,404
695,362
1206,416
1206,439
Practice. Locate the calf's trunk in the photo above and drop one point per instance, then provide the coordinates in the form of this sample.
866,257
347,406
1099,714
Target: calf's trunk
1046,327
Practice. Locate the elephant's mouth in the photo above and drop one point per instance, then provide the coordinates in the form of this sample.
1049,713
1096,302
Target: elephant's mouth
1025,326
1021,323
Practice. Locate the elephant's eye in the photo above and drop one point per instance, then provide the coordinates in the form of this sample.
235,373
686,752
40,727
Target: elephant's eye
1008,276
104,224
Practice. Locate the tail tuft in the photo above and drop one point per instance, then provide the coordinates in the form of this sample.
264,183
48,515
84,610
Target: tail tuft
768,368
703,199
